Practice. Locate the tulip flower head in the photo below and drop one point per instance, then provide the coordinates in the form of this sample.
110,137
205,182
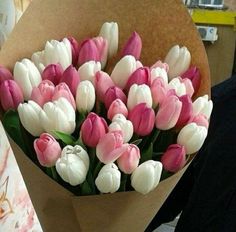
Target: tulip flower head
48,150
74,50
159,73
117,107
5,74
53,73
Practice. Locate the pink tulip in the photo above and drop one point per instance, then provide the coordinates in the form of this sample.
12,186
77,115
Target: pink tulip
160,64
74,50
92,129
143,118
129,158
186,112
133,46
102,83
117,107
201,120
193,74
47,149
71,77
159,91
62,90
43,93
139,76
5,74
102,46
108,148
168,113
88,51
174,158
112,94
53,73
10,95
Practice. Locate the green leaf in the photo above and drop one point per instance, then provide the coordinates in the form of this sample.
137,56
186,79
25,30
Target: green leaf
88,186
147,154
65,138
137,142
12,125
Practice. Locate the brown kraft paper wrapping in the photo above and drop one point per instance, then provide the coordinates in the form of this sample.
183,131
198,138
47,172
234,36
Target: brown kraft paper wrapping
161,24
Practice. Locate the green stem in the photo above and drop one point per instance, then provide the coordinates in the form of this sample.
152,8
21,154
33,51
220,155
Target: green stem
123,182
97,169
54,173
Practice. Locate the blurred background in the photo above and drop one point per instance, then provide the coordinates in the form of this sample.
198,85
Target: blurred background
215,20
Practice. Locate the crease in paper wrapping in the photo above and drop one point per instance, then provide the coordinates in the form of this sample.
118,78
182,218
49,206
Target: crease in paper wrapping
161,24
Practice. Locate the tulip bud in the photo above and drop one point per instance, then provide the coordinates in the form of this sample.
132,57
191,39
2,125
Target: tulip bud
112,94
92,129
85,96
39,61
102,83
178,60
73,165
123,69
74,50
133,46
26,76
117,107
193,74
139,94
109,31
10,95
143,118
88,70
174,158
119,122
29,114
200,120
139,76
47,149
159,73
146,176
188,86
5,74
159,91
168,113
192,137
102,47
108,179
178,86
43,93
58,52
88,51
53,73
160,64
71,77
62,90
129,159
186,111
107,147
203,105
58,116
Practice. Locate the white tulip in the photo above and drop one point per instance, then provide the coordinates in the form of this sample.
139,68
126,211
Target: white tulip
192,137
178,86
109,31
123,69
58,52
85,96
39,61
108,179
139,94
159,72
203,105
179,60
58,115
146,176
29,117
27,76
73,165
119,122
88,70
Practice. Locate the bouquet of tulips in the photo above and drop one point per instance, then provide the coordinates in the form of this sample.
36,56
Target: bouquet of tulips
97,129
